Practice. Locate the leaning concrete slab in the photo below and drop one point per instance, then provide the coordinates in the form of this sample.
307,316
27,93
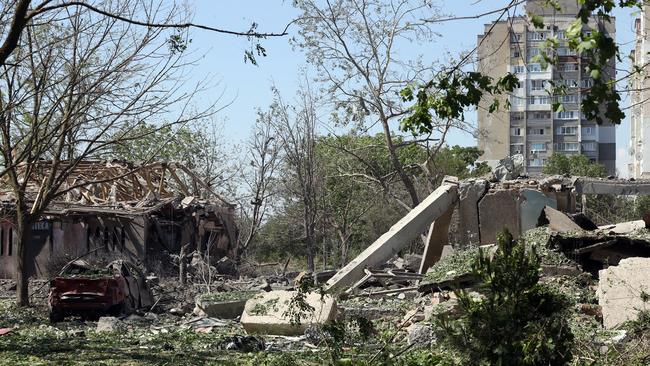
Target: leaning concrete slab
399,236
270,313
622,290
437,238
559,221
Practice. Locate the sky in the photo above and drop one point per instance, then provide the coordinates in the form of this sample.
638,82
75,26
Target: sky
245,87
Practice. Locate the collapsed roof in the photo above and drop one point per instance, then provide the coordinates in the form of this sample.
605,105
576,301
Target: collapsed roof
95,185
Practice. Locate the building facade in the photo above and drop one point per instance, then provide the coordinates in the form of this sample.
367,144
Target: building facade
530,126
639,166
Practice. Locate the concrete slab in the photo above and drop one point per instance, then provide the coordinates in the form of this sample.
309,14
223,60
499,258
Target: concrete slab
399,236
623,228
437,238
267,313
497,210
470,192
219,309
622,290
559,221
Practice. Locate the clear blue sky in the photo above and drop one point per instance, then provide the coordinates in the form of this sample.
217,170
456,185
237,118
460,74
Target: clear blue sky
249,86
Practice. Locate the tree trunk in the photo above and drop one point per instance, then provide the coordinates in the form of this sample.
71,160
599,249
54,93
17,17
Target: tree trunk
182,265
23,224
397,165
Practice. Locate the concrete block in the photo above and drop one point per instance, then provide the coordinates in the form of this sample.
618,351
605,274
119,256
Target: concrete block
497,210
110,324
229,309
622,289
399,236
559,221
470,193
267,313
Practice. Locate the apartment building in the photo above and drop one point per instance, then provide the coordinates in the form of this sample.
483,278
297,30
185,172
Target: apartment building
530,126
639,167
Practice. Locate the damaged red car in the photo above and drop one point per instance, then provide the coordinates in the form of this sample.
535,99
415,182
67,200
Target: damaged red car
87,291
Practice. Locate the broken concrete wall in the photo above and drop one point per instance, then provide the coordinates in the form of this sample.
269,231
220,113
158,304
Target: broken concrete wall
532,203
623,291
498,209
470,192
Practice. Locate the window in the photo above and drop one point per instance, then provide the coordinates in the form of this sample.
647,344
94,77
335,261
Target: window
569,83
588,131
515,100
537,85
565,51
536,131
516,149
515,37
541,115
535,68
567,115
518,69
566,146
515,53
537,36
561,35
538,100
587,83
516,116
589,146
571,98
568,66
566,130
515,131
541,146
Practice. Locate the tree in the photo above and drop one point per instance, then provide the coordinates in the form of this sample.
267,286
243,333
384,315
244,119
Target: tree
353,44
19,14
259,178
296,128
457,161
68,89
573,165
514,320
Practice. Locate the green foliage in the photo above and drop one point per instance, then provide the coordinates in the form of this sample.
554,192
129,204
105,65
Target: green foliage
574,165
449,93
148,142
514,320
642,206
458,161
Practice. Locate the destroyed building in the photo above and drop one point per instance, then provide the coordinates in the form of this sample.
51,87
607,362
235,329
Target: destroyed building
140,213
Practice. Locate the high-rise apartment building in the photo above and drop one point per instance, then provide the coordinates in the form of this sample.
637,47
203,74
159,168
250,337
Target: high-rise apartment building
639,166
530,126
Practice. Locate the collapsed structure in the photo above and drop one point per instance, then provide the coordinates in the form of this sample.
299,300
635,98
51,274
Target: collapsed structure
480,209
119,210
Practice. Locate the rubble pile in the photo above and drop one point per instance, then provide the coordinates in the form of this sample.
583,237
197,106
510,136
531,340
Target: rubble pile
385,306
